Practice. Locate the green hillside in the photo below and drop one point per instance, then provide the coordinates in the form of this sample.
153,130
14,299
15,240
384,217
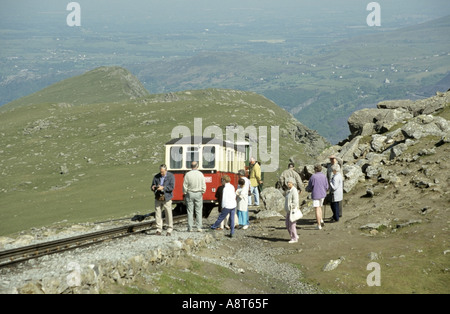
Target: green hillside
104,84
95,161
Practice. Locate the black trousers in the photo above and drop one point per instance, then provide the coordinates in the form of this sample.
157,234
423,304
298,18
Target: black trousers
336,208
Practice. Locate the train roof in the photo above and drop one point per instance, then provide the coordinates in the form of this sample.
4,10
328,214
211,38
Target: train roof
198,140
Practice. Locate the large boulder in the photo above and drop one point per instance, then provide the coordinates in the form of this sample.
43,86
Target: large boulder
362,119
272,199
386,119
352,175
426,125
369,121
378,142
347,153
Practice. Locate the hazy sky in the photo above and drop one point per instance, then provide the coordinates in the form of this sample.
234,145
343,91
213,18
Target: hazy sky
150,13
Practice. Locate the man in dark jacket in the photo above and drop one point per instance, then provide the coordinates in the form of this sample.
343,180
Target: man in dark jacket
163,185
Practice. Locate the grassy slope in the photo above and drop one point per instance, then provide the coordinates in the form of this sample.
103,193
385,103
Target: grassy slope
111,151
104,84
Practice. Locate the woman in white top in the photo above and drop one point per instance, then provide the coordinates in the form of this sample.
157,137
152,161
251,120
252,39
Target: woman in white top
228,205
291,201
337,191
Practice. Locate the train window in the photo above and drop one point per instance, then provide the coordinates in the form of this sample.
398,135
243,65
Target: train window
209,157
191,155
176,157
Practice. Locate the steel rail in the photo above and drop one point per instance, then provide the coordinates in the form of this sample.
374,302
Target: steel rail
21,254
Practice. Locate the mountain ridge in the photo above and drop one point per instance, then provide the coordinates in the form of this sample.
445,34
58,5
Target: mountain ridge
100,85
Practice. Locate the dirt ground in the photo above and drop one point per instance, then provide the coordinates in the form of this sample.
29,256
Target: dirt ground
406,235
412,259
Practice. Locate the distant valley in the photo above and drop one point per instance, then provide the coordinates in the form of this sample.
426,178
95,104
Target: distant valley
323,90
320,84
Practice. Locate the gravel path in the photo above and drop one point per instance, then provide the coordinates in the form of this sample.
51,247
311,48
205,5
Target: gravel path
245,252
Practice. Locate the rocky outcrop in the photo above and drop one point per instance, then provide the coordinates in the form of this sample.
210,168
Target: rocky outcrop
420,107
381,136
369,121
313,143
390,113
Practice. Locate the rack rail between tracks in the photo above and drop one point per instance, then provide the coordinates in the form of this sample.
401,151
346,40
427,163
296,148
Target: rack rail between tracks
21,254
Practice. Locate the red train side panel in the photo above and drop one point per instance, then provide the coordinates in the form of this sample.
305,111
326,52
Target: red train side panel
213,181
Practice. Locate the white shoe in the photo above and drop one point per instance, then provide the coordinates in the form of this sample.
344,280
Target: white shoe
318,227
293,241
321,221
245,227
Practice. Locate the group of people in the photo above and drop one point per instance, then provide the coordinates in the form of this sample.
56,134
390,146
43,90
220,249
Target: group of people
318,185
233,203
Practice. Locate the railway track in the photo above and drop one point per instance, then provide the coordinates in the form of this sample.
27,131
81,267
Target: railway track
25,253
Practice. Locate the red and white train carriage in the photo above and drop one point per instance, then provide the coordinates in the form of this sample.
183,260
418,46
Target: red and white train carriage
216,158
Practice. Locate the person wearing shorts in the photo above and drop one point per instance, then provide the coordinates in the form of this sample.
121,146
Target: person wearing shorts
318,186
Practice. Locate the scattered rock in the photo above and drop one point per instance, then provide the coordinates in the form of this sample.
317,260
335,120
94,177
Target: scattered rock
369,193
23,240
426,210
375,226
333,264
372,172
373,256
4,241
63,169
397,150
73,279
31,288
408,223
